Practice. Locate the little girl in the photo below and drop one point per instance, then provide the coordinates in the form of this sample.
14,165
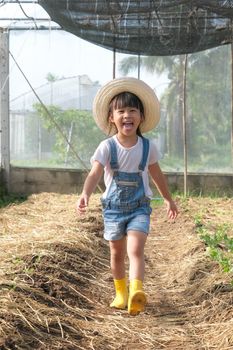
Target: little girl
125,108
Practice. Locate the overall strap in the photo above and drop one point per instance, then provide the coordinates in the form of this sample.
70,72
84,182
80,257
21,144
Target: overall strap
145,152
113,154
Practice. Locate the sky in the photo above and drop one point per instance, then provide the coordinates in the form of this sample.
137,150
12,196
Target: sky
58,52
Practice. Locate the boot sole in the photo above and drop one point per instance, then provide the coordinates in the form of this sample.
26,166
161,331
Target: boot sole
120,307
137,303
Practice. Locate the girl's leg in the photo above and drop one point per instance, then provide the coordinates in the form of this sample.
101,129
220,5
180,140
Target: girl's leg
135,249
118,253
117,256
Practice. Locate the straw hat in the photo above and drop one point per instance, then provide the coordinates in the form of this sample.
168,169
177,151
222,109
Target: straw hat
137,87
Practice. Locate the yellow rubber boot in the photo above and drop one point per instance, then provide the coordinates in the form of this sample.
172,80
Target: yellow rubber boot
137,298
121,298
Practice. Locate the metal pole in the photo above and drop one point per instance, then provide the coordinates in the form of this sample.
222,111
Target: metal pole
21,1
185,124
4,107
232,103
139,66
114,64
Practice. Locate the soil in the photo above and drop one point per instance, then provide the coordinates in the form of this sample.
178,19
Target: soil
56,284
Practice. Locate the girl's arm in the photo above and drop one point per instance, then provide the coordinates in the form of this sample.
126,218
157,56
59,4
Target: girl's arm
160,182
89,186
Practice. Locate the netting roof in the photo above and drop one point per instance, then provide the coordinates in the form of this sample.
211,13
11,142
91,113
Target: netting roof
155,27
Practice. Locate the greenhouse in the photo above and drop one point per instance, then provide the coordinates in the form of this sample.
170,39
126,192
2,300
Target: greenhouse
195,132
55,283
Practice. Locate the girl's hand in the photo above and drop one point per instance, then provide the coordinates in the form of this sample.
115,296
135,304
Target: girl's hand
82,204
172,210
89,186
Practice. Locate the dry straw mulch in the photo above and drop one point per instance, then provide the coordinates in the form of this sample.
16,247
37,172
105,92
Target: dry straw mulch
56,285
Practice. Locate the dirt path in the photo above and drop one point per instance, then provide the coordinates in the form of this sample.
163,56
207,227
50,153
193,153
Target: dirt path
173,255
56,284
185,295
171,249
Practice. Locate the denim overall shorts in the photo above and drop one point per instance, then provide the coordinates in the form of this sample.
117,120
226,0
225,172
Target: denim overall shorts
126,207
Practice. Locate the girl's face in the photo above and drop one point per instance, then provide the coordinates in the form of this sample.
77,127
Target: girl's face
126,120
126,112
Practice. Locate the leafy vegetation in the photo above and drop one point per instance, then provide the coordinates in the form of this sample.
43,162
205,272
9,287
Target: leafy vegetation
7,199
219,244
76,126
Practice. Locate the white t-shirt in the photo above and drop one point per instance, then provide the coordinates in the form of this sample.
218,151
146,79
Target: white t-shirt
128,161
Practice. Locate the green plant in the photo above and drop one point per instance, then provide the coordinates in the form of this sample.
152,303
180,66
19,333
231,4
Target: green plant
7,199
156,202
219,244
76,126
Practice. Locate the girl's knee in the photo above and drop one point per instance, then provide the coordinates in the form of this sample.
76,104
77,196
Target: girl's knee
117,252
136,244
117,255
136,253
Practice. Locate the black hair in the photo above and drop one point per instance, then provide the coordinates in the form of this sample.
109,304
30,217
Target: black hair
126,99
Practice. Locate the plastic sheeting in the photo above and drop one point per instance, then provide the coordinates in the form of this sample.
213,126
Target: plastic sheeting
156,27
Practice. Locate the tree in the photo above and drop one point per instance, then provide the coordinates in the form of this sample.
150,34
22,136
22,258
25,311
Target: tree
209,101
51,77
78,126
208,104
173,67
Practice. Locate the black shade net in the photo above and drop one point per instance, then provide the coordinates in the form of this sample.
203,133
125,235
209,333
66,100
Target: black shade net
152,28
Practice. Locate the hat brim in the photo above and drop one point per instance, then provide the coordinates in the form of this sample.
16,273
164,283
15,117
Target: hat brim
116,86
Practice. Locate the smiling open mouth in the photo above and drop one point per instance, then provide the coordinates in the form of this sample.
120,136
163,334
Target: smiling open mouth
128,125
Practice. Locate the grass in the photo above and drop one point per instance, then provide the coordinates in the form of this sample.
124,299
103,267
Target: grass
219,243
207,163
7,199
